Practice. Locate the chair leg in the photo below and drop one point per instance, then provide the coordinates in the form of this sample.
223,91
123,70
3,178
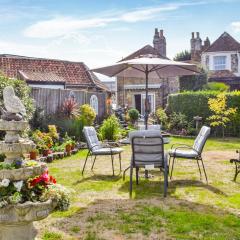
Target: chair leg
237,171
93,162
137,177
199,169
172,168
165,182
85,162
124,173
112,158
120,161
204,171
130,183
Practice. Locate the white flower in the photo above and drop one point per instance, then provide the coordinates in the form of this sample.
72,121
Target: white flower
18,185
5,182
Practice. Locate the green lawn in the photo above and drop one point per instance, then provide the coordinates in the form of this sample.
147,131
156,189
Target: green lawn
101,208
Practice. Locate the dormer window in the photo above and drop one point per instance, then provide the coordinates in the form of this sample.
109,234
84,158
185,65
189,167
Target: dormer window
220,62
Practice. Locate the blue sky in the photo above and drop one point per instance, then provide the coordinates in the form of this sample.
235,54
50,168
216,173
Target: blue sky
102,32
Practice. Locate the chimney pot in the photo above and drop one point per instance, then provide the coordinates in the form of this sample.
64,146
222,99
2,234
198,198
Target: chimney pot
156,31
197,34
161,33
192,34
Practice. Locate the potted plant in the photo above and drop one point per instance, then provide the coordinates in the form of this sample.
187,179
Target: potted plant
33,154
45,150
68,146
73,145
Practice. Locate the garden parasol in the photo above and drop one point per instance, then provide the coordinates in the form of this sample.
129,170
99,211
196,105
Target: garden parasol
148,67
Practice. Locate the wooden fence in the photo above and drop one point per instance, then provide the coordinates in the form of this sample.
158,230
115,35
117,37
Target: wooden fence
51,100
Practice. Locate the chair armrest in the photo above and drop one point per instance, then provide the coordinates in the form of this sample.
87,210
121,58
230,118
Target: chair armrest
180,144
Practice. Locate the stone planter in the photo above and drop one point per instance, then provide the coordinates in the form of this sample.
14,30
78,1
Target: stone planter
16,221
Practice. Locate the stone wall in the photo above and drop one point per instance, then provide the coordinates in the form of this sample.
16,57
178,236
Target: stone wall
125,97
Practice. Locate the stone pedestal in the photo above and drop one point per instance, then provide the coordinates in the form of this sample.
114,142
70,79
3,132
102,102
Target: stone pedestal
23,231
16,221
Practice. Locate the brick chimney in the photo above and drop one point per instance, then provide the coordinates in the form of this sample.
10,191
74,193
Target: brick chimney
159,42
196,47
206,44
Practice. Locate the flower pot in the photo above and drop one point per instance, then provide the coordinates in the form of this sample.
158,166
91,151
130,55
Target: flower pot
73,146
45,152
33,155
68,148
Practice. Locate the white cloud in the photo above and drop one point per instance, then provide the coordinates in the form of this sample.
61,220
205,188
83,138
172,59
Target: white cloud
236,26
63,25
60,26
145,14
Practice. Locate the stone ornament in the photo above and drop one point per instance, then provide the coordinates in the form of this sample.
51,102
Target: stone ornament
14,108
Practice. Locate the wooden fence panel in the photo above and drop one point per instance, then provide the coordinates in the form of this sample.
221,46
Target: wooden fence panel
51,100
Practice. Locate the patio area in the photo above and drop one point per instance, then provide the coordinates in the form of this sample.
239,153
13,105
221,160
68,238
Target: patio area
101,208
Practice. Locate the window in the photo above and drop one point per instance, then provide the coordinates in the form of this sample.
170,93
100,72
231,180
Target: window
94,103
219,62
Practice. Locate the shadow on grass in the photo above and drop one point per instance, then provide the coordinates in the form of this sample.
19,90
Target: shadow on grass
148,188
99,177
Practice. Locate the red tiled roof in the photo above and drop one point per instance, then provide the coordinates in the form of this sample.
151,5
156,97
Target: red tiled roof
31,76
224,43
146,50
74,74
221,74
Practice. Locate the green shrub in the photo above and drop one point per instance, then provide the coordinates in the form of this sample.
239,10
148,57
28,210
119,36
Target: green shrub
161,116
110,129
87,114
216,86
133,115
177,122
196,104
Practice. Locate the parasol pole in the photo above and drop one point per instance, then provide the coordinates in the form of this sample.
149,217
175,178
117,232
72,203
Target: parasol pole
146,99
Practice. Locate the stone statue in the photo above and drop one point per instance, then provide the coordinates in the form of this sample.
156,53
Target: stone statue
14,109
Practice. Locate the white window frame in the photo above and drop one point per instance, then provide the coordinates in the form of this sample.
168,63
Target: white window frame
94,103
219,63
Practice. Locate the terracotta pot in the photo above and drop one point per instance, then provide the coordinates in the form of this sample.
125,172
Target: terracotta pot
45,152
68,148
33,155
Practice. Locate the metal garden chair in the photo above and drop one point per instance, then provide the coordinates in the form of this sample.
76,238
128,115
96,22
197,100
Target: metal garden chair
191,152
96,148
148,150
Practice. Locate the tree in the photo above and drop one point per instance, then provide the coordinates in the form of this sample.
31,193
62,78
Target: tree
183,56
221,114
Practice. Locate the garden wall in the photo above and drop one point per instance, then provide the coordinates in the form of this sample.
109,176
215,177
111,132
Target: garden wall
51,100
196,104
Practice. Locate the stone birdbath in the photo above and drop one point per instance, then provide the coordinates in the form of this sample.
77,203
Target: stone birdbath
16,220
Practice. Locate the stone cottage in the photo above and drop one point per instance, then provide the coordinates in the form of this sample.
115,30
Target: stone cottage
131,91
221,58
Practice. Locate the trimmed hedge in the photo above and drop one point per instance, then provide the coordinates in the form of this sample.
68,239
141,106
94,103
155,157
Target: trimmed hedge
196,104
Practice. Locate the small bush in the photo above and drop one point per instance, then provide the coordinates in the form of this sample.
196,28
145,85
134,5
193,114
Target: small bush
161,116
133,115
216,86
87,114
110,129
178,122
